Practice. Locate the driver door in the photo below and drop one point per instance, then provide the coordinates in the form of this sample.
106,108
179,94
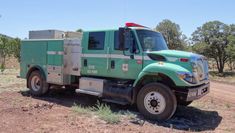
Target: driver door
121,65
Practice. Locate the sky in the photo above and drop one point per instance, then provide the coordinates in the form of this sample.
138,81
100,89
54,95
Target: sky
17,17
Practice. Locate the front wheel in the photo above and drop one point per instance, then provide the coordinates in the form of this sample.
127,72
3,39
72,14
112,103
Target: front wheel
156,102
184,103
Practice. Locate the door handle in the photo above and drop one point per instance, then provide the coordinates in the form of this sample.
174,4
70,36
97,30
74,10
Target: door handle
132,56
112,64
85,62
107,56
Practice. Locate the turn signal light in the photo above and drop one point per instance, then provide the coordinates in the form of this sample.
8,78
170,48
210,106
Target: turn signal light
184,59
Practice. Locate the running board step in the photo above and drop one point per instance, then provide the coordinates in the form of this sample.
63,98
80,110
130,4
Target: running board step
89,92
115,101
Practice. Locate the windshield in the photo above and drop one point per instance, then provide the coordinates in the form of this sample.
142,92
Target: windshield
151,41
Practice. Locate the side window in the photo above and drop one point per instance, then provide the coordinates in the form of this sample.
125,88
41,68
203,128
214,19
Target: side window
96,40
116,41
117,44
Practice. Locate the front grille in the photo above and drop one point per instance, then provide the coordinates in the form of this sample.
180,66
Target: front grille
202,69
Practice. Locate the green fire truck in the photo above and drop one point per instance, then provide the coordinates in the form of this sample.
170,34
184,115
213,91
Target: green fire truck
128,65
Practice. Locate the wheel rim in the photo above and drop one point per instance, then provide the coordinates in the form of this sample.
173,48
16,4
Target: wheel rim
154,102
35,83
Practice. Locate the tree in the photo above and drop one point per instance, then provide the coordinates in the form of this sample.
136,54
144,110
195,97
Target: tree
79,30
15,48
8,47
172,34
5,51
231,52
212,37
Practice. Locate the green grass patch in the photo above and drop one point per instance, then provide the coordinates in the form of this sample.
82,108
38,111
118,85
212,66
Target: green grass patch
81,110
105,113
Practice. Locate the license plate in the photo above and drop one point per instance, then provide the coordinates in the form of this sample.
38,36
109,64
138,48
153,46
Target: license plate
201,91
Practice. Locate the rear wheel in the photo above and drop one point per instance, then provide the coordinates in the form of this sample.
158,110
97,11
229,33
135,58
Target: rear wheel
37,83
156,101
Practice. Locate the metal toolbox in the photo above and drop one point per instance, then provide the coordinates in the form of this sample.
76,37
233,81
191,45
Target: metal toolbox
91,86
46,34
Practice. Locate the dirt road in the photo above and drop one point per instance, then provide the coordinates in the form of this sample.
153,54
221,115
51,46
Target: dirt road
225,92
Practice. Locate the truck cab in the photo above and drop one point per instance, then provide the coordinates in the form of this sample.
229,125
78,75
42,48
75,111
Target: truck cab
129,65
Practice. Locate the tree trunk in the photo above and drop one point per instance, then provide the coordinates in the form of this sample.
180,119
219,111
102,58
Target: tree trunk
221,70
220,65
2,67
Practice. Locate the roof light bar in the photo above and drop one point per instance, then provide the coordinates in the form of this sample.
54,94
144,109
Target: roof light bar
134,25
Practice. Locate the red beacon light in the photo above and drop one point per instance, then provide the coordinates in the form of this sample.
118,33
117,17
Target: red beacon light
134,25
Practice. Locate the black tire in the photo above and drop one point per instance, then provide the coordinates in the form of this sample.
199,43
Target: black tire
69,88
183,103
42,85
166,93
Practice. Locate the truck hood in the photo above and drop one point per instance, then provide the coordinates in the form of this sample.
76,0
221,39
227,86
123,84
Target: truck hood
172,53
173,57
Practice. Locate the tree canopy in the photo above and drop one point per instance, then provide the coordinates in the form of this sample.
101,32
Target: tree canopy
79,30
172,34
211,40
231,48
8,47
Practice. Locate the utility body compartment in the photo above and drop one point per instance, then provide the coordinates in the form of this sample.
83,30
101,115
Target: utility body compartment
60,59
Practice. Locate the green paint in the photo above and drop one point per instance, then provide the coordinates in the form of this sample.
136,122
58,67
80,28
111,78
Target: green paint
35,53
168,69
32,53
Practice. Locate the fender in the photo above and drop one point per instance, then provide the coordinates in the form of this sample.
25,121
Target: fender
165,68
33,68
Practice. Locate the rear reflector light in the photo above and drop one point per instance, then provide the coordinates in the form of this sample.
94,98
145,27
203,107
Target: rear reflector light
183,59
139,62
133,25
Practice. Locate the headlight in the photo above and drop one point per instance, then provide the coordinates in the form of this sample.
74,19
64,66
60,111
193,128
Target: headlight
187,76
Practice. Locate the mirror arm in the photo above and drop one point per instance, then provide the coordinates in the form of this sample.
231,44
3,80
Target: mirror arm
132,56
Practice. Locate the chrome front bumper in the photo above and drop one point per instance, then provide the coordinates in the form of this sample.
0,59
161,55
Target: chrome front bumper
198,92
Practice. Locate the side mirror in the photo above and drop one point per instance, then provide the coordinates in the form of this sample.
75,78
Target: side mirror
126,41
122,38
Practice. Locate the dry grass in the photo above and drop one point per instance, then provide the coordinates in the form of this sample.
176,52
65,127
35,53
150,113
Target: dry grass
226,77
9,82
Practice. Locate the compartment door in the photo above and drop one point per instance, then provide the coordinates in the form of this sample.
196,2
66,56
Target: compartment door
55,51
72,57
